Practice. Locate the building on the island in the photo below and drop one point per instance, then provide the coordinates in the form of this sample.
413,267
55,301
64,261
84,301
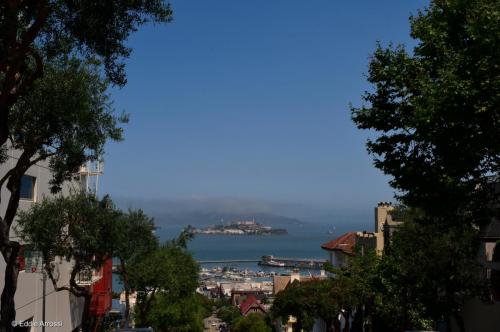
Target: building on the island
252,305
244,222
61,307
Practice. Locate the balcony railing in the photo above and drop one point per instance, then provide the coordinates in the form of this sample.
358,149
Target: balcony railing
88,277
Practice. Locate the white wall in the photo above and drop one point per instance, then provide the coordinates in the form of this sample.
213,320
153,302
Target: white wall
60,306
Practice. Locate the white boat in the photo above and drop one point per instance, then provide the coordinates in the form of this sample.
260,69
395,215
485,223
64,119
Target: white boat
274,263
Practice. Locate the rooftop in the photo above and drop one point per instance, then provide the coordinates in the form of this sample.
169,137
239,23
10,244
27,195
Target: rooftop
250,302
344,243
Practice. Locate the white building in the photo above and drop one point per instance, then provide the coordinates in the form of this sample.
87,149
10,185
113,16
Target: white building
62,308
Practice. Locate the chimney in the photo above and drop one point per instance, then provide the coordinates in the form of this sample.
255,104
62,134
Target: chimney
295,275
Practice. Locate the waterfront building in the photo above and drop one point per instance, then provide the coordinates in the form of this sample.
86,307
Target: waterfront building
61,307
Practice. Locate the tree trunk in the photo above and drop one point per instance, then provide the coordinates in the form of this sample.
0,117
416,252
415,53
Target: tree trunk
86,324
127,307
145,307
4,127
8,308
460,322
10,249
127,293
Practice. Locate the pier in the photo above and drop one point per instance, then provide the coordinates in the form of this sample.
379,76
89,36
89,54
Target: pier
229,261
304,263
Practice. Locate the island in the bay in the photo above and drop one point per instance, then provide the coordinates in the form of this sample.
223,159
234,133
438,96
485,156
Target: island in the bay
244,227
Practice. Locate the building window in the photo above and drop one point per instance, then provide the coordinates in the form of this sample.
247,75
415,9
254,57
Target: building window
28,187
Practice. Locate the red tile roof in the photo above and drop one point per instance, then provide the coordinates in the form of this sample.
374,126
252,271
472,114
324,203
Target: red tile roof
344,243
250,302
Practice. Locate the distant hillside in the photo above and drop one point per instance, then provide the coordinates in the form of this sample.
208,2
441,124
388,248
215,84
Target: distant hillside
203,218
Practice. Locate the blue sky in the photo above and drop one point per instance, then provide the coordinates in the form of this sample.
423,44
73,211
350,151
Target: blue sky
249,99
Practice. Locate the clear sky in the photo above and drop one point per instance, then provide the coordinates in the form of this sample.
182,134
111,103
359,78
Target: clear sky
250,99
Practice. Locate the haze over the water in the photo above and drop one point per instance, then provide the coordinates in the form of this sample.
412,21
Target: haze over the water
239,101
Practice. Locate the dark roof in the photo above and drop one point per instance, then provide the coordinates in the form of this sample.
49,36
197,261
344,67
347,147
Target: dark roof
491,231
344,243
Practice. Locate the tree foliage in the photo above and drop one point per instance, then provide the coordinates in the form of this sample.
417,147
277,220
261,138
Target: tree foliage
307,301
45,129
351,289
435,115
442,268
66,117
170,270
33,32
178,315
435,111
76,228
134,238
228,314
253,322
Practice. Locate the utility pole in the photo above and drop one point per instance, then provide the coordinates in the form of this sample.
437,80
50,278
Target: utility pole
44,290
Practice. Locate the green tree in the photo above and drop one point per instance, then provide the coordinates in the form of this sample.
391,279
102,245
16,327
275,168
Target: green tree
434,112
33,32
310,300
186,314
228,314
134,237
44,129
253,322
77,229
169,270
442,268
352,288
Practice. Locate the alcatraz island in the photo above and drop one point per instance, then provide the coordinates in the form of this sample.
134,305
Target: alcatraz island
246,227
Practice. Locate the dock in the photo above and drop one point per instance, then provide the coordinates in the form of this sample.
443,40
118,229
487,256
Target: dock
229,261
300,263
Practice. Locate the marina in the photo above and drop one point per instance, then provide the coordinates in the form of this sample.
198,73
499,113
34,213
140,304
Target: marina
299,263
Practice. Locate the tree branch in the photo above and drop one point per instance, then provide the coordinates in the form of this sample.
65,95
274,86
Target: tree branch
30,34
28,82
14,186
41,158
